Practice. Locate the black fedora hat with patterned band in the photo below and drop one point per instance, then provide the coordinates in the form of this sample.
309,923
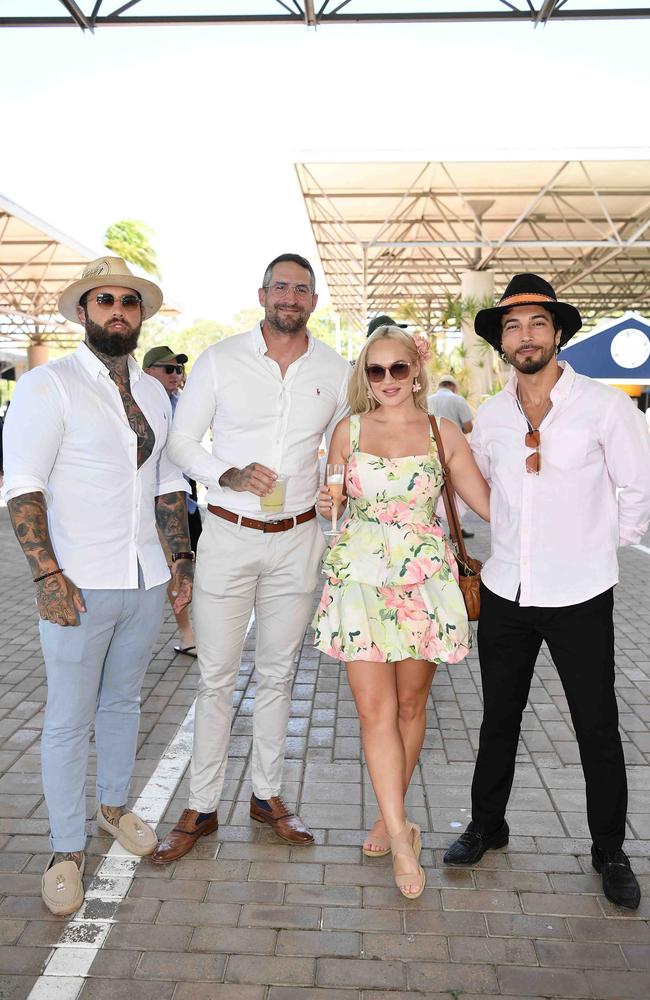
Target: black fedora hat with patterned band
527,290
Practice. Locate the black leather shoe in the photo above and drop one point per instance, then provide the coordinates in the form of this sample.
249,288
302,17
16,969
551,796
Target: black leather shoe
619,881
472,845
466,534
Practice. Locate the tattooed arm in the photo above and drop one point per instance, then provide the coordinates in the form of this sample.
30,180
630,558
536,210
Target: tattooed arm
171,517
57,598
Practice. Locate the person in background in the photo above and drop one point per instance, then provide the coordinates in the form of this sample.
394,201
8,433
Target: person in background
447,402
169,368
383,320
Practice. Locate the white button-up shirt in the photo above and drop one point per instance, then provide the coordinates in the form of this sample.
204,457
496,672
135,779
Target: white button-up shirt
66,434
257,416
555,534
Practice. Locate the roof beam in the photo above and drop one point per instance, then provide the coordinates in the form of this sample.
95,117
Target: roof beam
305,14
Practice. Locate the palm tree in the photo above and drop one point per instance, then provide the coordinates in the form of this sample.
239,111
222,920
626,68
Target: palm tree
130,239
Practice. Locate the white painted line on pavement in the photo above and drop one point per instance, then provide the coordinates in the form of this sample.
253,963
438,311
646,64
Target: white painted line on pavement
68,964
642,548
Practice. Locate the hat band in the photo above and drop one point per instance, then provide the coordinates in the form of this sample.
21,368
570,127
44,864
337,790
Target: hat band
524,298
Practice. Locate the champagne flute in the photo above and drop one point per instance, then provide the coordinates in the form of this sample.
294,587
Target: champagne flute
335,478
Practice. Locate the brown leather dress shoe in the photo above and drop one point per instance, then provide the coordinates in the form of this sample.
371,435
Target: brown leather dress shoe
183,837
286,824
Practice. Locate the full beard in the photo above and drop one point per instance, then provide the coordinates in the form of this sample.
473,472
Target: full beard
287,323
530,366
111,345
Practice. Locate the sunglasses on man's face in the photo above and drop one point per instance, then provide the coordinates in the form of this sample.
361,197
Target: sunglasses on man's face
377,373
170,369
129,301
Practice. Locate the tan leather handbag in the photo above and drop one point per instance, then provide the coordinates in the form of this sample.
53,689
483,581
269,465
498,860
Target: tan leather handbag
469,570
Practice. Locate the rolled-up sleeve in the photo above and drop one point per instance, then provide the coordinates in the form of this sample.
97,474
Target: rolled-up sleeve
626,445
194,414
33,431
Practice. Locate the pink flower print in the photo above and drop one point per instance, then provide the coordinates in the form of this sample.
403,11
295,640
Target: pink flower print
325,601
353,483
418,570
432,646
432,528
457,654
421,484
369,652
394,512
412,611
336,649
450,559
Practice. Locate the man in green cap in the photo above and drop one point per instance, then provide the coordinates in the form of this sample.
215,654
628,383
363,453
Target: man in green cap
169,368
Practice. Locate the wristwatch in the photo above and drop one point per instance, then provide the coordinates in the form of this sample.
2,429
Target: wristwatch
182,555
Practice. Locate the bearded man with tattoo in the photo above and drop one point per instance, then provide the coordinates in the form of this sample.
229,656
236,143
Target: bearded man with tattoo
87,480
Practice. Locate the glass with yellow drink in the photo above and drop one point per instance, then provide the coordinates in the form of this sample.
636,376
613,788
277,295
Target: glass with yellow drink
273,502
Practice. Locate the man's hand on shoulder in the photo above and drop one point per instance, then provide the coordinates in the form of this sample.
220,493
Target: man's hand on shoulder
254,478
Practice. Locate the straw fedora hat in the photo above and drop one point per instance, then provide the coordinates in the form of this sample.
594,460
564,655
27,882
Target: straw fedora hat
109,271
527,290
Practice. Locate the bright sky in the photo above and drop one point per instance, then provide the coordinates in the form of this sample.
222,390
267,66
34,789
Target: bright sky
196,131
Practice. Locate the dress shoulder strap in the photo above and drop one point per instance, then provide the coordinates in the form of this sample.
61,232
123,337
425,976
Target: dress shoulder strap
355,431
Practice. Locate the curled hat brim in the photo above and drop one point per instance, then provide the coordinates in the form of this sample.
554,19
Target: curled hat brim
152,297
487,322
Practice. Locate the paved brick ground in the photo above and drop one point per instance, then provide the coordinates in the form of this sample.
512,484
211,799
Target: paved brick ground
245,917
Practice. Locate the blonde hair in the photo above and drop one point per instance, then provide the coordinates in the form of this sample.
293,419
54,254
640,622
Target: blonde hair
360,396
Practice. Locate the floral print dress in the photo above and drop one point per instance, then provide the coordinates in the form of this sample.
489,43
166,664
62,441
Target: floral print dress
391,588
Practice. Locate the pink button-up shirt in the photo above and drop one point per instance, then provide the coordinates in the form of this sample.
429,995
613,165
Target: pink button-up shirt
555,535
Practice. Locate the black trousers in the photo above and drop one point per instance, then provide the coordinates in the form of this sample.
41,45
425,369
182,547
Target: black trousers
580,639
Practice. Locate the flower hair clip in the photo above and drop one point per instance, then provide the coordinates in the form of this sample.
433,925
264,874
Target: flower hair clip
422,346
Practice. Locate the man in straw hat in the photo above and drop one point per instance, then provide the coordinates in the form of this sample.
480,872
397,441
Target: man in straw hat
568,460
85,470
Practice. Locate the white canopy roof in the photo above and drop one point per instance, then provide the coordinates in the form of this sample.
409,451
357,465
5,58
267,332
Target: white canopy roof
390,233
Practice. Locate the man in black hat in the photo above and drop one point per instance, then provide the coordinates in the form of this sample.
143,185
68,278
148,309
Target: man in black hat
568,461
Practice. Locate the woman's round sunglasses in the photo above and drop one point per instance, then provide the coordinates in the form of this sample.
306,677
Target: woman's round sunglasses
377,373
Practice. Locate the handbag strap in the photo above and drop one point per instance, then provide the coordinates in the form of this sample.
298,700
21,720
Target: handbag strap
448,495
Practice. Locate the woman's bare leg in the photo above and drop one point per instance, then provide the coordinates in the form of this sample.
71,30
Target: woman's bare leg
413,680
374,688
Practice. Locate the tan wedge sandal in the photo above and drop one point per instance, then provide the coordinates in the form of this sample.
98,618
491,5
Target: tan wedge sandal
383,844
407,846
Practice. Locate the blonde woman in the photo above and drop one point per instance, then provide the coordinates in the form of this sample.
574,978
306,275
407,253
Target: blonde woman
391,607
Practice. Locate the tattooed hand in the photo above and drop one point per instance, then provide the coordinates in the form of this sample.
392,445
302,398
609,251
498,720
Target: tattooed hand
254,478
58,600
181,584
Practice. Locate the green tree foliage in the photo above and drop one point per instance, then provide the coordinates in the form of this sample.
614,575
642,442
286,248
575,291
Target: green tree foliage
131,240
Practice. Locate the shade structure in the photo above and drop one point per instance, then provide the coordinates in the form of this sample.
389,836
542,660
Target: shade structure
37,262
91,14
616,351
403,233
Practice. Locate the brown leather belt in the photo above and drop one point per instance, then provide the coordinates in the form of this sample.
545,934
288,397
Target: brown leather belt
249,522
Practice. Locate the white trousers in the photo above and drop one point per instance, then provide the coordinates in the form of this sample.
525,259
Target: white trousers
238,569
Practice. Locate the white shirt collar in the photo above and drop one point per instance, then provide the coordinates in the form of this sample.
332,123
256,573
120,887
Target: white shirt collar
259,344
560,390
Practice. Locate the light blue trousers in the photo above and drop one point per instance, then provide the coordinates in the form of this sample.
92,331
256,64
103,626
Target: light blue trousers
94,672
